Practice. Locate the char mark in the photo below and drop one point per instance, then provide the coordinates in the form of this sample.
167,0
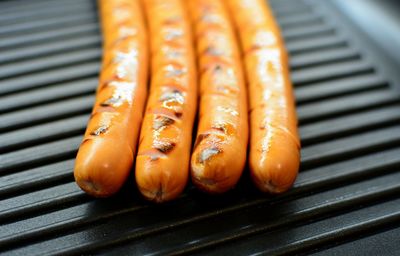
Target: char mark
164,146
161,122
100,130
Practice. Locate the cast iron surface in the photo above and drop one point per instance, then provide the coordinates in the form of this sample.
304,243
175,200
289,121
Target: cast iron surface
345,200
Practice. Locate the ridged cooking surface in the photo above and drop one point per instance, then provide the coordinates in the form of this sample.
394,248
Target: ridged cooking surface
347,192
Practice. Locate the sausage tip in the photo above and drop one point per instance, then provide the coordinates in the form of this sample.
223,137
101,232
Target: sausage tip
102,174
276,174
156,180
211,179
269,187
158,196
91,188
207,185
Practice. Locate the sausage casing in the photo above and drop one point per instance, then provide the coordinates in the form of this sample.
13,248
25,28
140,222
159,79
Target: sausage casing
219,154
274,141
106,154
162,164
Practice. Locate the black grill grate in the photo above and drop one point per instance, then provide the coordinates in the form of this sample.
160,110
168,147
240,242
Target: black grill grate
347,192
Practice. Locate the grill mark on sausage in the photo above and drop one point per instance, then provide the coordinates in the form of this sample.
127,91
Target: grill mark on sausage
215,67
164,146
173,34
153,154
161,122
173,54
219,127
174,95
112,102
200,138
100,130
208,153
174,71
213,51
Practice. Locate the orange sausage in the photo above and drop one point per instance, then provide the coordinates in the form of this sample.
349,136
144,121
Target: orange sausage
219,154
105,156
274,143
162,164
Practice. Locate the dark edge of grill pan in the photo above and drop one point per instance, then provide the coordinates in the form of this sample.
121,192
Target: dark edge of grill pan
347,191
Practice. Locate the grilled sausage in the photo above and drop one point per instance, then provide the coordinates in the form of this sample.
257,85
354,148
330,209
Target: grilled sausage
105,156
274,143
162,164
219,154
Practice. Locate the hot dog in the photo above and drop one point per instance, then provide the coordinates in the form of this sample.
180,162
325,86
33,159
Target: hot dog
106,154
162,164
274,141
219,153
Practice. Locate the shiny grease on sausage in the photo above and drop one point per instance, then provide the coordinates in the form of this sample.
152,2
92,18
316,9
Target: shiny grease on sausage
219,153
162,164
274,141
106,154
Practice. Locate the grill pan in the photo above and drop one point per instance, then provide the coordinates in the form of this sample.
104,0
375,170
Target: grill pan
345,200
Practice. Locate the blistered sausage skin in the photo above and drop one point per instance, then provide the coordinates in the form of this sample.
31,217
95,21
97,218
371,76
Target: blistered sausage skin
106,154
274,141
219,154
162,164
